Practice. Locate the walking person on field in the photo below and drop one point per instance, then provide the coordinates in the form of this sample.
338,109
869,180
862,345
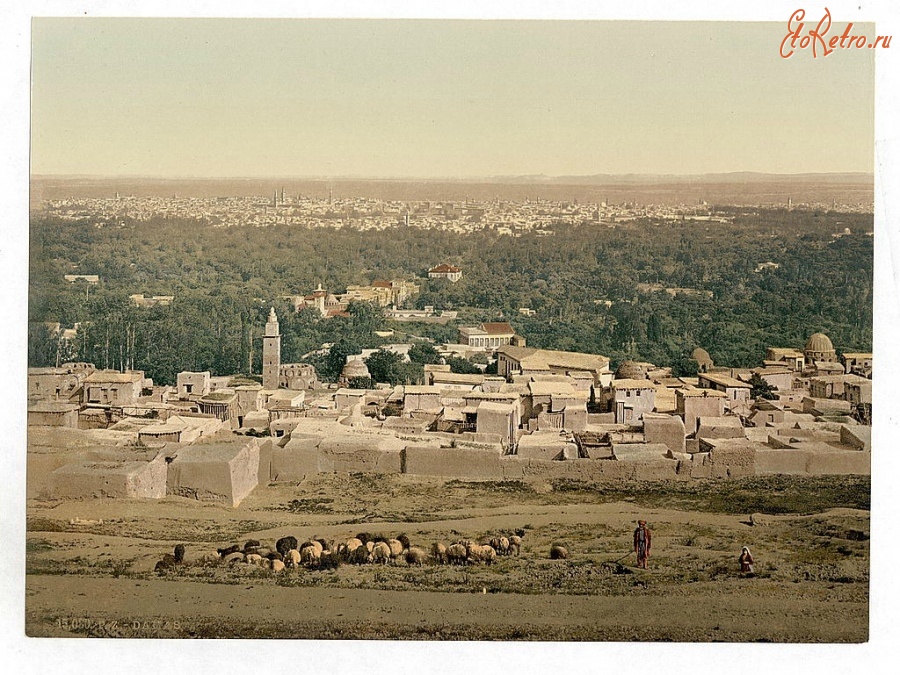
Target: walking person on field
746,561
642,544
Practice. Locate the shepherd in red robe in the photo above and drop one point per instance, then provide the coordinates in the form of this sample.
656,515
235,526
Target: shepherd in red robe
642,544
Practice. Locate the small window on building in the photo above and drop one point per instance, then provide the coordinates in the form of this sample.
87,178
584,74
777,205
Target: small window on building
188,388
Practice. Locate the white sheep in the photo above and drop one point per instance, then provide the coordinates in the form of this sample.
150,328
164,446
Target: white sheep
500,544
456,554
416,556
396,547
292,558
316,544
254,559
381,553
478,553
439,552
310,555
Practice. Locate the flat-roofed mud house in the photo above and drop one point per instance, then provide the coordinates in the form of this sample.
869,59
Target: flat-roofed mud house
785,356
525,361
737,393
631,399
110,388
693,403
500,419
221,404
192,384
53,414
859,363
58,384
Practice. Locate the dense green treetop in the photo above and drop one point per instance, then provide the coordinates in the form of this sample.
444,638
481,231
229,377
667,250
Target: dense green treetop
593,288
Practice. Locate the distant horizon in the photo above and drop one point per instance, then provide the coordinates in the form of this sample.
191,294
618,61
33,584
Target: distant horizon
489,178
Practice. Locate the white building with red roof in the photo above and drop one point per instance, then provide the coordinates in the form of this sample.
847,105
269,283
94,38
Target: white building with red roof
445,271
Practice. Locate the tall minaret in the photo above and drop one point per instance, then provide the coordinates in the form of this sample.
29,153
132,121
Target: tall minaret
271,365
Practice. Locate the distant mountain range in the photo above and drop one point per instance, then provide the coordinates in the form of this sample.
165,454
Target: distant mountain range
657,178
716,188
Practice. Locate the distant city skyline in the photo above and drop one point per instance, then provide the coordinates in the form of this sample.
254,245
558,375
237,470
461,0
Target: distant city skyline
440,99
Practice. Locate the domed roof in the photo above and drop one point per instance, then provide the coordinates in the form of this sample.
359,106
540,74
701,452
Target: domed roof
632,370
355,368
819,342
700,355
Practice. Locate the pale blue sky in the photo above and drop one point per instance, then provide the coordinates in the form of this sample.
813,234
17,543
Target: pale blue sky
257,97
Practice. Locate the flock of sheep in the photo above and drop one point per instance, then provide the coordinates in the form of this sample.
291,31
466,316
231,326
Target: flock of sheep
362,549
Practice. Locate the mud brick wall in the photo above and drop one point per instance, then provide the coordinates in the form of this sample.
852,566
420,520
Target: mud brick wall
781,461
39,470
588,469
733,462
88,479
840,463
364,460
149,482
244,470
428,460
229,477
295,462
264,474
110,479
668,430
544,446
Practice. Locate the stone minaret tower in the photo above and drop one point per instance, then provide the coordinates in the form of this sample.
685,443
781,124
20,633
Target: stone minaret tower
271,353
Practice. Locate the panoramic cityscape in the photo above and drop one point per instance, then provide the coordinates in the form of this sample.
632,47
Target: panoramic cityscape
442,357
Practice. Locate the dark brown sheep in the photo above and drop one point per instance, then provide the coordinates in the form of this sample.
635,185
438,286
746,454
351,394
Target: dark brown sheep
234,548
285,544
558,552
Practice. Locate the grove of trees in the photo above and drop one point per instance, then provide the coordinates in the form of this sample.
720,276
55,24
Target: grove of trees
582,281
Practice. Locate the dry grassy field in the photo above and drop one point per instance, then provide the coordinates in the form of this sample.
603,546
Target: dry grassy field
809,538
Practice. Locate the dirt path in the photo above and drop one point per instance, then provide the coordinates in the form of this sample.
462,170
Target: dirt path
175,609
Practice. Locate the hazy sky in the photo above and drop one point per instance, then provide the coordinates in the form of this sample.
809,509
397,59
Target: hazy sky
266,97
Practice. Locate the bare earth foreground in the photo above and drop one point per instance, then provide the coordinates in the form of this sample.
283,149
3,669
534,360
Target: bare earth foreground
809,540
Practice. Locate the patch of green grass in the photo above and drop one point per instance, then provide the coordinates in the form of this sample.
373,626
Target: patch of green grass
320,505
37,546
502,486
757,494
45,525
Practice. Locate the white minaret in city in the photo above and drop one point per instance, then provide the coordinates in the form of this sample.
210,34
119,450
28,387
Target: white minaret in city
271,353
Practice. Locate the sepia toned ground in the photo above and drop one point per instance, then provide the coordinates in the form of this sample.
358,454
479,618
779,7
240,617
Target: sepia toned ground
809,540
